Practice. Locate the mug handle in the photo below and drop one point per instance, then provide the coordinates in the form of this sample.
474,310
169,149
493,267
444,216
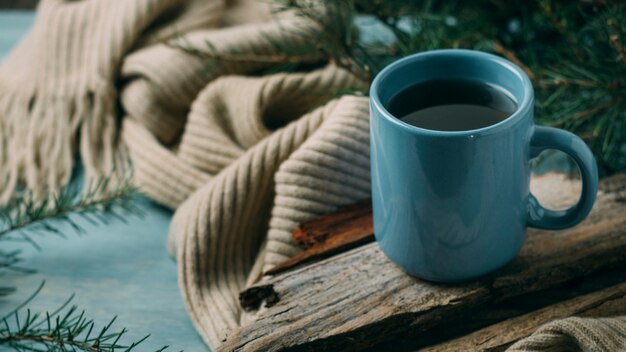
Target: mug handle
553,138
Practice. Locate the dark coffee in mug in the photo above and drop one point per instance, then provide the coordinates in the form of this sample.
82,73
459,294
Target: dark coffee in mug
452,104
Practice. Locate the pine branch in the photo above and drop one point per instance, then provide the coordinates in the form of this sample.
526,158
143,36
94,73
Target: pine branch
10,261
338,42
286,58
511,56
587,96
26,216
585,114
548,8
618,47
65,329
573,51
280,58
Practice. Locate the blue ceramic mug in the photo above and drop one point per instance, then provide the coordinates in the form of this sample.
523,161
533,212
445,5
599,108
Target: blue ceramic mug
452,206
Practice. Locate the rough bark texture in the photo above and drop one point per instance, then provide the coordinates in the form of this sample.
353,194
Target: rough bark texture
359,299
498,337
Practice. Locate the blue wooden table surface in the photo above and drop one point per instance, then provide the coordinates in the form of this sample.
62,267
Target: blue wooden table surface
115,270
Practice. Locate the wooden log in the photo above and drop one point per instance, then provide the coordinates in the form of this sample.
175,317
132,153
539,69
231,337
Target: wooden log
481,317
358,299
330,234
498,337
615,185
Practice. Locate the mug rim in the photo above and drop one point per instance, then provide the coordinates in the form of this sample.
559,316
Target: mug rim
520,112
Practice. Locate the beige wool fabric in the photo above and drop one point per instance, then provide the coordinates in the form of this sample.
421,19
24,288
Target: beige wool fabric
66,66
237,178
242,158
576,334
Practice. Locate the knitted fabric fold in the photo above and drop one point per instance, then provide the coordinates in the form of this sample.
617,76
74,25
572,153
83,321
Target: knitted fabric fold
217,153
227,117
576,334
71,64
226,170
161,103
220,228
57,92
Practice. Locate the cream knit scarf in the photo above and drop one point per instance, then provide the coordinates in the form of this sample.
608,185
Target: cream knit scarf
242,159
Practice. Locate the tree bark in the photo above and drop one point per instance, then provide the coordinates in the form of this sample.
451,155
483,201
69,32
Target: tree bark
358,299
498,337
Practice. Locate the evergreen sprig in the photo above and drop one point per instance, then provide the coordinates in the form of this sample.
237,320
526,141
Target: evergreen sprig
100,201
65,329
574,51
581,81
9,261
25,217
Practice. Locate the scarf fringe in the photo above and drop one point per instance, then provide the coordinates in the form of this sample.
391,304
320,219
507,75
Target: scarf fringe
39,137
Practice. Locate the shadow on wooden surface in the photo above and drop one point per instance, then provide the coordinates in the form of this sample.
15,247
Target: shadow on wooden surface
496,327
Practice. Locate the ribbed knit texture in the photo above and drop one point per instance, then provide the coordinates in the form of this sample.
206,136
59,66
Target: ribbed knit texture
220,228
242,159
57,90
70,61
576,334
229,157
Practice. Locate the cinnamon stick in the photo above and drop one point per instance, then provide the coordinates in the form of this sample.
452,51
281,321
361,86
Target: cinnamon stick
331,234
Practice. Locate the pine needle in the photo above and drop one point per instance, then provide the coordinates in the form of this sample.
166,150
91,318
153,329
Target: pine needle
66,329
